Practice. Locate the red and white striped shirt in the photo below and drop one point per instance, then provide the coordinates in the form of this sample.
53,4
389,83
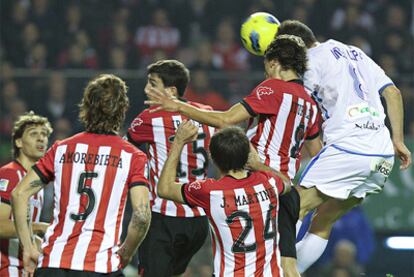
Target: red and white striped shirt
11,263
158,130
243,219
284,116
92,174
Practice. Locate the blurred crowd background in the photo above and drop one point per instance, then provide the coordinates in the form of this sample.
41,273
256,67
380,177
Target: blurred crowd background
49,49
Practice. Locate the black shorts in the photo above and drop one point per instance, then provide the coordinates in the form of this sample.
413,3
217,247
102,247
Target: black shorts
61,272
170,244
289,207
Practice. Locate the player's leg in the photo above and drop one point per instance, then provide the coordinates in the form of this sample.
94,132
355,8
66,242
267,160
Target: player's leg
339,175
318,234
289,206
188,241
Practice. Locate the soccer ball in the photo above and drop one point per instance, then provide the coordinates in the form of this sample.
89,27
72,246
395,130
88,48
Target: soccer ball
258,31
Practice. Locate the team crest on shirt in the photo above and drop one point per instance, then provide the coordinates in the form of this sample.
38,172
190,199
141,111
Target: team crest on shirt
194,185
262,91
137,122
3,184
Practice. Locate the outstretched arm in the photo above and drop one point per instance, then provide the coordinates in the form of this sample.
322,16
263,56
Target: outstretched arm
395,111
254,163
167,187
165,101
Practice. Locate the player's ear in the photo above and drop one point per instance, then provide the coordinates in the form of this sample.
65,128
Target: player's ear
172,91
19,143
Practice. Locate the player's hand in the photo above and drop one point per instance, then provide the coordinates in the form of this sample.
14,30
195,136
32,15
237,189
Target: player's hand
124,256
403,154
253,161
30,258
162,99
186,132
40,228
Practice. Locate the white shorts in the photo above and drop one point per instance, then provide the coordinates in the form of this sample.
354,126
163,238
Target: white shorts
341,174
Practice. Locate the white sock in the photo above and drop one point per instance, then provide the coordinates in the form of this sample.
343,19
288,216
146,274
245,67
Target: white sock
309,249
298,225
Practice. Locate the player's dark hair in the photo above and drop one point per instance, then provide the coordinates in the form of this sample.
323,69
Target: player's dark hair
290,52
104,104
172,73
229,149
297,28
22,123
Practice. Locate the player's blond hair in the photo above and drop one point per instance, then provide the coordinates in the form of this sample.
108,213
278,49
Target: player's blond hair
22,123
104,104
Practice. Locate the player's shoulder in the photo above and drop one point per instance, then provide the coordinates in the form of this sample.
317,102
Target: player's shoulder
201,185
199,105
9,169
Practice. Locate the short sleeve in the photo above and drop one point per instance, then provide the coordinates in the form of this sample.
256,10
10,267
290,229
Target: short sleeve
262,100
8,181
45,167
138,172
381,80
140,131
314,123
280,186
196,194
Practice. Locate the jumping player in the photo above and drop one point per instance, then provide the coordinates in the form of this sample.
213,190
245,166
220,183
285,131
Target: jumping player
283,118
359,153
177,231
30,140
92,173
242,205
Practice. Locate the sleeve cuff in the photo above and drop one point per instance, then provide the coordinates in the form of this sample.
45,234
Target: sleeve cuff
39,173
5,201
314,136
384,87
184,197
135,184
248,108
133,142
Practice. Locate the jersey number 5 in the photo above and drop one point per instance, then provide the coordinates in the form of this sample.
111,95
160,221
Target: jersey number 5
196,150
83,189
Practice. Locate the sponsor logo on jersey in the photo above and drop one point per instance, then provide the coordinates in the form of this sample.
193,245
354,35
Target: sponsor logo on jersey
195,185
3,184
262,91
369,126
362,110
137,122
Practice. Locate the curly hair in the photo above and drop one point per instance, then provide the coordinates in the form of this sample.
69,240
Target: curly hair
104,104
290,52
22,123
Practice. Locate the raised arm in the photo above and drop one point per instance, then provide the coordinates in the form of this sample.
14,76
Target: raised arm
30,185
167,102
167,187
395,112
138,225
254,163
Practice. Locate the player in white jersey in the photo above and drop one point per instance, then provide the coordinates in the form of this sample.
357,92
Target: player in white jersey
29,138
359,153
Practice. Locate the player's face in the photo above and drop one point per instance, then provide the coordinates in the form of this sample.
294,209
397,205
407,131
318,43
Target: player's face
33,143
155,82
